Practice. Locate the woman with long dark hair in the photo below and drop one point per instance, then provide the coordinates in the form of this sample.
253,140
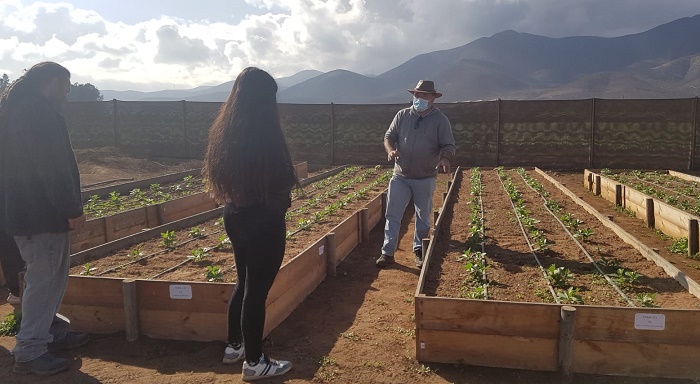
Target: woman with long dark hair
248,166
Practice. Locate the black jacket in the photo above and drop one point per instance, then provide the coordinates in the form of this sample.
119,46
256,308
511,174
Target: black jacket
39,177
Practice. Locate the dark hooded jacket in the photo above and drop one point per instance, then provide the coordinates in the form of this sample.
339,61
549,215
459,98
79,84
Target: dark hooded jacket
39,178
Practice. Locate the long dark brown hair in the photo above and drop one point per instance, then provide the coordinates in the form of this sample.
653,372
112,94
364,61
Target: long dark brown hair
247,152
29,85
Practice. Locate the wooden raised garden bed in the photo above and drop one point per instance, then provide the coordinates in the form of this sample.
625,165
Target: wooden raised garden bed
521,318
107,228
190,310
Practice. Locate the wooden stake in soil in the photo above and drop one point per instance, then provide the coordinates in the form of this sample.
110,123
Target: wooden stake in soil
597,185
692,237
566,339
364,225
131,310
331,244
651,221
618,195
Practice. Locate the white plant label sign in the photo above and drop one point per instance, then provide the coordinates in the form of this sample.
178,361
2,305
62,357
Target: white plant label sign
650,321
181,292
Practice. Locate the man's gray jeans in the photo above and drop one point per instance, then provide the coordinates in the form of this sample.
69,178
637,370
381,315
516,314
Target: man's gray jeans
48,261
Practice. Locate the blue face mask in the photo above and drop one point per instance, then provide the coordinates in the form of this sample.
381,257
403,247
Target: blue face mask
420,105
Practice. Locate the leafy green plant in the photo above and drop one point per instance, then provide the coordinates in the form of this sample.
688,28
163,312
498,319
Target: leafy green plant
679,246
196,232
224,242
583,234
646,300
135,253
115,199
199,254
625,278
558,276
168,239
87,269
214,273
10,324
570,295
608,264
189,181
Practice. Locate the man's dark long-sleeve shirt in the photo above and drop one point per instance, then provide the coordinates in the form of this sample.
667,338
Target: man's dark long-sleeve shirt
39,177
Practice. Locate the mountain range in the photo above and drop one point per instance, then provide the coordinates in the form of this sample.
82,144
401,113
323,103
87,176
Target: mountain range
663,62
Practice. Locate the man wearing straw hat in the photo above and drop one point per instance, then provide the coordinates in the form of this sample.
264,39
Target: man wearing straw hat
420,142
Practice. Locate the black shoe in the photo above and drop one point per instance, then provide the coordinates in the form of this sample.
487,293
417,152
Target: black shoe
44,365
384,261
70,341
419,257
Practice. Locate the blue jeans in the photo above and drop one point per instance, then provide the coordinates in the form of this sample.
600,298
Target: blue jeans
47,256
400,192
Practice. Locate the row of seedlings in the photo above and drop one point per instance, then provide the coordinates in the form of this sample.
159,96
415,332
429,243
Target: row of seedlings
476,285
607,268
683,196
206,249
643,283
137,197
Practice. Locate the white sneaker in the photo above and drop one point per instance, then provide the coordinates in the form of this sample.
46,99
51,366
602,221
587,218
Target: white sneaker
265,368
233,355
13,300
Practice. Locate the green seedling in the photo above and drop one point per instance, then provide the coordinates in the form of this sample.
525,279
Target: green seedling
87,269
583,234
196,232
115,199
559,276
224,242
10,324
135,253
646,300
570,296
168,239
214,273
189,181
199,254
679,246
610,264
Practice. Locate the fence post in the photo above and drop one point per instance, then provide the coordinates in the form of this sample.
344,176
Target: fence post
498,133
185,137
114,122
332,134
691,163
591,154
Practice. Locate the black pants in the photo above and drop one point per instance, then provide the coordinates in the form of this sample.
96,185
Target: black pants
258,238
11,262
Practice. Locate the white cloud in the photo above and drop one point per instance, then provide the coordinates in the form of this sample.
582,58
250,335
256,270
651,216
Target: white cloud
287,36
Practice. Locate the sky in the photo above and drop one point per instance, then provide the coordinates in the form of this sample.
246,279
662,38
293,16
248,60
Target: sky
150,45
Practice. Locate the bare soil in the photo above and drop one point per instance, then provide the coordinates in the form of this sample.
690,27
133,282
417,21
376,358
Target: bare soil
356,327
513,271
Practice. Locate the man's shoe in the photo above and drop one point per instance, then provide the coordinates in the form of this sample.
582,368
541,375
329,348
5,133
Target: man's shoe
265,368
44,365
232,355
384,260
70,341
419,257
13,300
